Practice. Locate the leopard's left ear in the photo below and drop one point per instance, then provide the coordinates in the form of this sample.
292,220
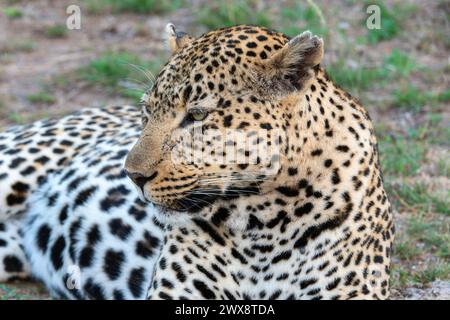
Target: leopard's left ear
291,67
176,39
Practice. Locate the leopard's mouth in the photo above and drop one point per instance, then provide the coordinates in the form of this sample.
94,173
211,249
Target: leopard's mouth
191,201
197,199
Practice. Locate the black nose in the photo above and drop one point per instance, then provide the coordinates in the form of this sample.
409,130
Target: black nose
139,179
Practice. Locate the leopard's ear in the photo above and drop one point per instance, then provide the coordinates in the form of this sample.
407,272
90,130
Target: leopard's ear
176,39
291,68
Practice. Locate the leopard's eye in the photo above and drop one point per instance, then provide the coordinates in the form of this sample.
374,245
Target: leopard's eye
197,114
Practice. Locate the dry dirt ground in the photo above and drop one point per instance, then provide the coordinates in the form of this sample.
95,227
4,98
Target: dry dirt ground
401,75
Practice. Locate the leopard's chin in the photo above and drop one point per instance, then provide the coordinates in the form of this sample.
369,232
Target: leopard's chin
194,202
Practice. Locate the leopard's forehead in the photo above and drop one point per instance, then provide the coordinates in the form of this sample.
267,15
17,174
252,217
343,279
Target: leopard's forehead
239,44
214,62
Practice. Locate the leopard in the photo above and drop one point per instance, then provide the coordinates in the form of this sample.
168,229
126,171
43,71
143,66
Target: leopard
68,216
143,208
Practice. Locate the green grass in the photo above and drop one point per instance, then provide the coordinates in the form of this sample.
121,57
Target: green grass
16,118
444,167
391,20
441,136
3,108
433,234
400,156
403,277
17,45
22,291
11,116
109,69
413,98
416,197
12,294
406,250
400,62
396,65
133,6
410,97
442,97
400,277
302,17
12,12
442,206
426,236
56,31
433,272
229,13
120,72
390,24
355,80
41,97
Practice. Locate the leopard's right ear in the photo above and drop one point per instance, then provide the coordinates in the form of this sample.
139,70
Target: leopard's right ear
176,39
291,67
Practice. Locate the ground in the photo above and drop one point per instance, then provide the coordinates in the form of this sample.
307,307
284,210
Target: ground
401,73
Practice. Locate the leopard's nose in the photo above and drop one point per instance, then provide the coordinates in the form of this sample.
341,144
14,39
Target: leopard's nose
139,179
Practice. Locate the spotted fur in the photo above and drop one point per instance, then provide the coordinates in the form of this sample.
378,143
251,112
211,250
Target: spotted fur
79,227
319,227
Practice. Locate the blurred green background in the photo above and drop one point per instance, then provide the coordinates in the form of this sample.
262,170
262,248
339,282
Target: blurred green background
400,73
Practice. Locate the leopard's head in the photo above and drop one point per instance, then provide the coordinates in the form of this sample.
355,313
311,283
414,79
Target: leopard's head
215,122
